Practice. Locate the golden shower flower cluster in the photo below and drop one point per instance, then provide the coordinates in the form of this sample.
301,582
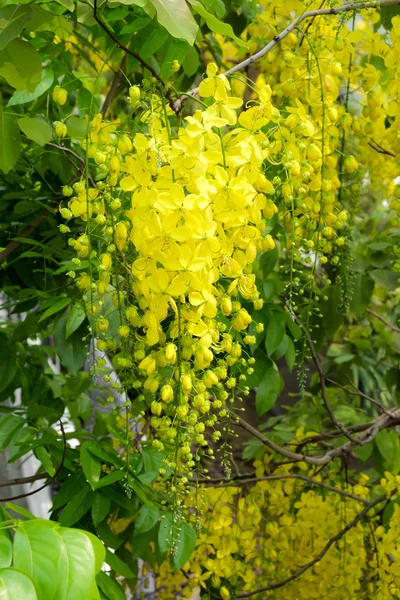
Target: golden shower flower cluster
250,539
171,232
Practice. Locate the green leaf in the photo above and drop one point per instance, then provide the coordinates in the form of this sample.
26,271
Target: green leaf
38,552
100,508
55,308
146,518
109,479
44,20
9,424
8,370
75,318
191,62
385,278
118,565
10,141
77,566
73,482
164,533
77,507
20,510
153,43
275,331
363,288
22,97
36,129
105,452
76,127
268,261
215,24
5,549
91,465
109,587
185,546
14,585
99,549
20,65
268,390
72,351
45,459
176,17
290,354
12,21
175,50
262,362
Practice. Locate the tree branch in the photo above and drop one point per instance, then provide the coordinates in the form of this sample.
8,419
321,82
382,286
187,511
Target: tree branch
295,23
378,148
359,393
114,86
387,323
136,55
23,480
53,478
359,517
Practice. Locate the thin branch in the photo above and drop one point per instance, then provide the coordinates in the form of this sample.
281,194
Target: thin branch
134,54
53,478
309,480
13,245
378,148
295,23
359,393
75,155
387,323
23,480
114,86
359,517
381,422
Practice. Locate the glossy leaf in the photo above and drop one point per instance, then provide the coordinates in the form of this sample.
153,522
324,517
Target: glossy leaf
215,24
185,546
36,129
15,585
20,65
10,140
76,316
268,390
176,17
275,331
146,518
91,465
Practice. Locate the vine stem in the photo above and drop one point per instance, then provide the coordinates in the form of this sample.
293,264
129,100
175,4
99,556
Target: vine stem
278,38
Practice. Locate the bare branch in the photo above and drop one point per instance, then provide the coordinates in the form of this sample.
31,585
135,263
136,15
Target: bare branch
114,86
295,23
359,517
387,323
378,148
359,393
53,478
144,64
23,480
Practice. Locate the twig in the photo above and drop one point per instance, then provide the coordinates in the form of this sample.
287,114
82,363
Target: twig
387,323
53,478
74,154
381,422
359,393
309,480
359,517
114,86
144,64
23,480
295,23
378,148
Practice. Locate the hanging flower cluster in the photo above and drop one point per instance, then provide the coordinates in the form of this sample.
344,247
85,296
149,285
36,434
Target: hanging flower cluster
172,231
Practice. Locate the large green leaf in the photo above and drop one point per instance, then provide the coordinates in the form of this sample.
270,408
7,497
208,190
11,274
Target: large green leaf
91,465
75,318
72,351
185,545
146,518
77,507
5,549
9,424
110,587
215,24
36,129
164,533
14,585
10,141
275,331
77,567
176,17
119,565
268,390
12,21
21,65
22,97
39,553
